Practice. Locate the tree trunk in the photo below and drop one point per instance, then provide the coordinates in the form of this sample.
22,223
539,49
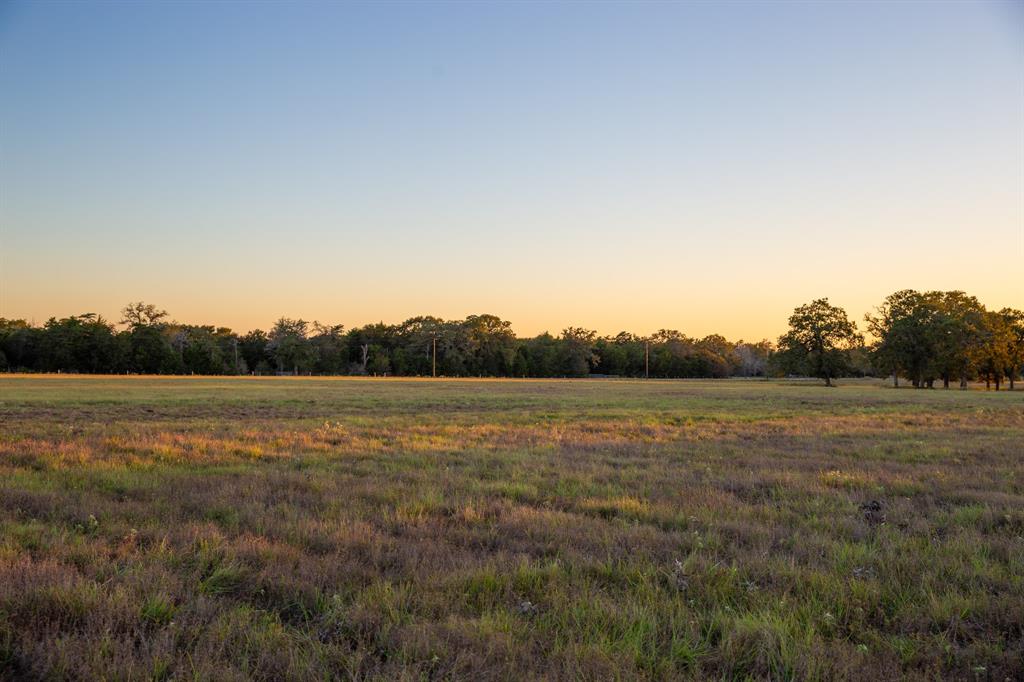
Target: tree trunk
895,380
963,382
828,380
945,381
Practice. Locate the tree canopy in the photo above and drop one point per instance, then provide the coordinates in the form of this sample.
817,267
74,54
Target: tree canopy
819,341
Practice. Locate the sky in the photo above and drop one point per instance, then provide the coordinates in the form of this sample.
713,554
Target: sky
703,166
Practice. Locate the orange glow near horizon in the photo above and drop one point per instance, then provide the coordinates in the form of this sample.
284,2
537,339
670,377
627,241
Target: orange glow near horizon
732,311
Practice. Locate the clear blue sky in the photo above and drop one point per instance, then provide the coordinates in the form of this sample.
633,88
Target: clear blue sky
700,166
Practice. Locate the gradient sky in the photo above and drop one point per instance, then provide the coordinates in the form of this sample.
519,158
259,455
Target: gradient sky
698,166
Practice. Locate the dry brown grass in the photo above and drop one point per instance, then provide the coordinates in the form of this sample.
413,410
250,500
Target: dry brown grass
308,529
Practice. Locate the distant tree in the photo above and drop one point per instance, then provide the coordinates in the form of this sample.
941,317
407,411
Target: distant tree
419,338
1014,320
378,363
228,343
152,351
361,340
19,344
620,355
578,354
330,348
540,356
819,340
753,358
81,343
905,329
289,346
673,354
151,341
142,315
993,355
200,349
957,329
860,363
489,345
718,356
252,348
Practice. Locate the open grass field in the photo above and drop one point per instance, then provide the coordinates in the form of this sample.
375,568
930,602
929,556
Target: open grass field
185,528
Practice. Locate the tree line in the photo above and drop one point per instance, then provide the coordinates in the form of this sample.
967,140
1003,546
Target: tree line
148,342
924,337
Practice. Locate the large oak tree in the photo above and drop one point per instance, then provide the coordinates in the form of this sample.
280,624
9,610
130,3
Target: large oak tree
819,341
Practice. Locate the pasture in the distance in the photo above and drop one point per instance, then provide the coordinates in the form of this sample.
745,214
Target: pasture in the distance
417,529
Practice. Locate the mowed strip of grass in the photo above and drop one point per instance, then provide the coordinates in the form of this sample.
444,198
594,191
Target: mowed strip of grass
402,529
